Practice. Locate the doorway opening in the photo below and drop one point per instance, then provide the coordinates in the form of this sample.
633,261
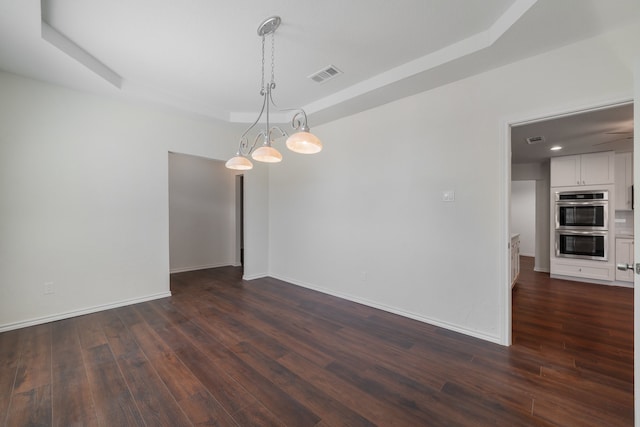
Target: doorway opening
240,220
204,230
524,215
604,128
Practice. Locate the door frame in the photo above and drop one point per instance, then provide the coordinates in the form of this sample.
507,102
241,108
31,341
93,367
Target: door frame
505,194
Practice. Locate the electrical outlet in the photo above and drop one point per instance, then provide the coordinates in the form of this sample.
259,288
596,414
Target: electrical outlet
363,276
48,288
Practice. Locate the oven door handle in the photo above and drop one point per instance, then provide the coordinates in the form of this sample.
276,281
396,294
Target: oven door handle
598,232
568,203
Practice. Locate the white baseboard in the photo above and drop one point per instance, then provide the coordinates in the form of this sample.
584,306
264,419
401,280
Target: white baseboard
199,267
254,276
439,323
623,284
80,312
593,281
541,270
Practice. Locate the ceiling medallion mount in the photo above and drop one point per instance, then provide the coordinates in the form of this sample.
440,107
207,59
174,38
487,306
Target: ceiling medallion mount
302,141
269,25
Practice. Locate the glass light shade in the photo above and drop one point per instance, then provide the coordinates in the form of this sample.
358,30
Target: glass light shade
304,143
267,154
239,163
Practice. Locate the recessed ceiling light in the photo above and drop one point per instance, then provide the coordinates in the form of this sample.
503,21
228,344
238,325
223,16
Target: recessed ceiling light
555,148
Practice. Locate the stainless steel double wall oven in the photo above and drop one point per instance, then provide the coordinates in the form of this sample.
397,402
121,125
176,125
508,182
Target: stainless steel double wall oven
582,224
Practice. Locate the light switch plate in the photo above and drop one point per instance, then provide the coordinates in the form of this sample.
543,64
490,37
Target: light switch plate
448,196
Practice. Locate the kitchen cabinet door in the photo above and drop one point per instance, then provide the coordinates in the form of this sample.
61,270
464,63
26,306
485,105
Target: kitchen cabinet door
565,171
624,181
624,255
597,168
583,169
574,269
515,258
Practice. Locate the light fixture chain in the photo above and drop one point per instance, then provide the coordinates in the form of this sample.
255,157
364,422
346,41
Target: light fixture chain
262,86
273,58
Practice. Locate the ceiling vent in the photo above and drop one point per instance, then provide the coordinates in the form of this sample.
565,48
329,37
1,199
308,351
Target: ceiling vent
327,73
535,140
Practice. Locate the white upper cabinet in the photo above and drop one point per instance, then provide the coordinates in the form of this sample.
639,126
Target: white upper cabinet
583,169
598,168
624,181
565,171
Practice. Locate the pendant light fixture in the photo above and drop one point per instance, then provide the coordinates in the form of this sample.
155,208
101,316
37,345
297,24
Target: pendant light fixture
302,141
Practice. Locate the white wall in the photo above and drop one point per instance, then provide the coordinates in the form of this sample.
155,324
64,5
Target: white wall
84,199
543,224
541,174
530,171
523,215
202,213
364,218
256,221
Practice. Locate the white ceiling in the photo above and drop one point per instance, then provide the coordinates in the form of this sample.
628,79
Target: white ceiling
601,129
203,56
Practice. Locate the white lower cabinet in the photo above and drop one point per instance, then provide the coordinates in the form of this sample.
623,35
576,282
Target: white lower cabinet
515,258
624,255
596,270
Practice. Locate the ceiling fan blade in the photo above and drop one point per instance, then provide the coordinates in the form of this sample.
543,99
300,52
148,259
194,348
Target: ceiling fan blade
612,141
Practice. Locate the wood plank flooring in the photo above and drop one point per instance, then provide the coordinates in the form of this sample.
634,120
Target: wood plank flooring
225,352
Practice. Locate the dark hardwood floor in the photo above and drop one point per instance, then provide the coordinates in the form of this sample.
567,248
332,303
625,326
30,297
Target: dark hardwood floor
226,352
